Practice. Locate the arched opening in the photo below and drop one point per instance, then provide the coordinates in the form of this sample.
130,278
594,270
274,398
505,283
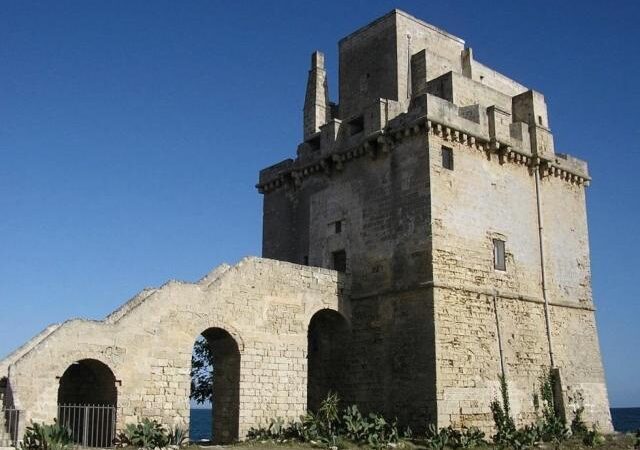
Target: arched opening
87,400
215,382
327,342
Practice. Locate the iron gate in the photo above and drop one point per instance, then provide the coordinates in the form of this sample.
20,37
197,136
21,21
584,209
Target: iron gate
90,425
9,426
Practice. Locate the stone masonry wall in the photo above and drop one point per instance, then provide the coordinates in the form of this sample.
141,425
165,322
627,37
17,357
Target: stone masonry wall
264,305
478,201
383,206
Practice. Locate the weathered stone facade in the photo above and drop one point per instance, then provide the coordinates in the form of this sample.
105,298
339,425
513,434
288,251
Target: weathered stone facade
256,315
408,185
428,159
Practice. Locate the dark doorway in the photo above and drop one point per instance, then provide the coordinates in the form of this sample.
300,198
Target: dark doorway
87,400
327,347
215,380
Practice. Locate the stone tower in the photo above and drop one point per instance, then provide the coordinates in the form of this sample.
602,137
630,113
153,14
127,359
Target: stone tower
435,186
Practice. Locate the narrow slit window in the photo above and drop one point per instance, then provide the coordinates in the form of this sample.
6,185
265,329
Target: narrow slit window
338,226
499,260
340,261
447,158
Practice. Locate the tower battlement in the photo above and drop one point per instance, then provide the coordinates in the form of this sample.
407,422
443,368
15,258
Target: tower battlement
399,72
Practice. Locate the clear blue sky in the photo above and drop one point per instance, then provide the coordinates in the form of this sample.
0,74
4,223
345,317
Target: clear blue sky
131,135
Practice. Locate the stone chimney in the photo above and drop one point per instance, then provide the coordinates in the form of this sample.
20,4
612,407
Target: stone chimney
316,102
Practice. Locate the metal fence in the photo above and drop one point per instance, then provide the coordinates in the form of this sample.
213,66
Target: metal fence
9,426
90,425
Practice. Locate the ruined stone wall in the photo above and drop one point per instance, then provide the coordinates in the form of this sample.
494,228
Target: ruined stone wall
264,305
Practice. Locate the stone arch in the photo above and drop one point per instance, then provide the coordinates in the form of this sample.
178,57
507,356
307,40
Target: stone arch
327,344
227,327
225,390
87,401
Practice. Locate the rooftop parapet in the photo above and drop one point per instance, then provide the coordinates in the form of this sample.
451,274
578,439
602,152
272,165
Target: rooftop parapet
489,130
399,69
374,60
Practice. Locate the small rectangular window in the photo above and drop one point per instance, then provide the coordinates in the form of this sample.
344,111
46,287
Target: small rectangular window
499,260
338,226
447,158
305,260
340,261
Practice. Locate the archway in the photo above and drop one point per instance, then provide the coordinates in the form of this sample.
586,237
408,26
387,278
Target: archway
215,379
87,400
327,341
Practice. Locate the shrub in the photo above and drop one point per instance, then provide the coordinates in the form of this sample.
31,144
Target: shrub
178,437
356,427
147,434
527,436
592,438
578,427
554,428
437,439
330,426
40,436
501,412
328,416
381,432
466,437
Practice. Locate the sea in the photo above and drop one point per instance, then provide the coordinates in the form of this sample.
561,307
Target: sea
624,419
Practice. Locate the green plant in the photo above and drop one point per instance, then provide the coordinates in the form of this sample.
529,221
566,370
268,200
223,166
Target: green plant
381,432
330,427
437,439
40,436
310,428
636,446
356,426
277,431
147,434
202,363
592,437
328,414
466,437
554,428
501,412
178,436
527,436
578,427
